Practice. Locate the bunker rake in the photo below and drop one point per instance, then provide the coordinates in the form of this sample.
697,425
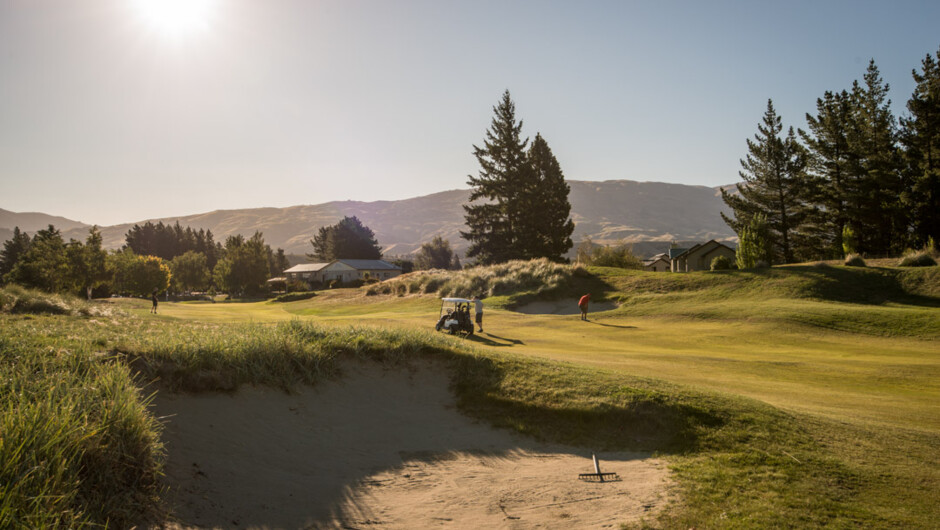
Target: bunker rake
597,475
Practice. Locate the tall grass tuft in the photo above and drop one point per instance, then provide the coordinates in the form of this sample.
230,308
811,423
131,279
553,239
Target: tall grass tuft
77,445
854,260
539,276
917,259
20,300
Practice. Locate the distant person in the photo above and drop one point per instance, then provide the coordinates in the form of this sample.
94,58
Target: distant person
583,305
479,310
153,298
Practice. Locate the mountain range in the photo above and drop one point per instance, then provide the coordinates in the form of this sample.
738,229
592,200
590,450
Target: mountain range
648,214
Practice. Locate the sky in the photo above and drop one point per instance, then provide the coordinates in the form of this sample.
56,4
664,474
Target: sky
118,111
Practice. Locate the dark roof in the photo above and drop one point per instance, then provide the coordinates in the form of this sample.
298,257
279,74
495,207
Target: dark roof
696,247
676,252
369,264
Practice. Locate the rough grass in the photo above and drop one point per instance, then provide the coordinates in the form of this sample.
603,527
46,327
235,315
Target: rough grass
539,277
918,259
19,300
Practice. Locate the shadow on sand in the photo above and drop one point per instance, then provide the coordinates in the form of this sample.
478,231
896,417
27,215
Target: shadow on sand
266,459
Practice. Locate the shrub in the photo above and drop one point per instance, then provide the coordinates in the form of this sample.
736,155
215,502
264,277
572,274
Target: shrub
293,297
612,256
849,241
917,259
854,260
720,263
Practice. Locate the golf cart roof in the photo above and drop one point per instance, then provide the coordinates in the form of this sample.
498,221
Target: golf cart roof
456,300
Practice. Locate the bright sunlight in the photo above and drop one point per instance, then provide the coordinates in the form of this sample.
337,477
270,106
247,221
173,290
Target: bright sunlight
176,18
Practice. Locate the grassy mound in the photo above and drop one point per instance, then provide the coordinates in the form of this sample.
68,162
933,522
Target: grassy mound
539,277
917,259
19,300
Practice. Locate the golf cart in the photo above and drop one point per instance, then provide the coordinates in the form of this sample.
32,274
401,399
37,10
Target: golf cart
455,316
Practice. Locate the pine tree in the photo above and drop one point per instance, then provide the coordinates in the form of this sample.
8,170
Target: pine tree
920,136
774,179
13,250
522,209
547,225
875,184
494,221
828,164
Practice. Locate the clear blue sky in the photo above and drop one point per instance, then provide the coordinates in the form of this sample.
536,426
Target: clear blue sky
109,115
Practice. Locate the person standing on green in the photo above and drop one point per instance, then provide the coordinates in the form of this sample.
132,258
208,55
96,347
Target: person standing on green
153,298
478,305
583,305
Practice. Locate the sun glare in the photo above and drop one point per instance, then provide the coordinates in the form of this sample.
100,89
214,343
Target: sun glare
176,18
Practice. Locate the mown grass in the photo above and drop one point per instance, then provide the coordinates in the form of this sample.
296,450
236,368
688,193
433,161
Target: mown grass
739,462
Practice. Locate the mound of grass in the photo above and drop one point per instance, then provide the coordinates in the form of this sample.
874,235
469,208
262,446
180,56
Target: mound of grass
917,259
854,260
20,300
539,277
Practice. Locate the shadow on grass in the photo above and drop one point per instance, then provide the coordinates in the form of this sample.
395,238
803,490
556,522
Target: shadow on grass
858,285
579,410
610,325
488,340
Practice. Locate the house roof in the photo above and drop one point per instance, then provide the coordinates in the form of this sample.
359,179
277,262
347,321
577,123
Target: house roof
657,257
676,252
369,264
694,248
307,267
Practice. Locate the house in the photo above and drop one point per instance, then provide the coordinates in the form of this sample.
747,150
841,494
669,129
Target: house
658,263
347,270
305,272
699,257
342,271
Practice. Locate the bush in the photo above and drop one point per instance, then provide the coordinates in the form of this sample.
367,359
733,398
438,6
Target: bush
917,259
720,263
854,260
293,297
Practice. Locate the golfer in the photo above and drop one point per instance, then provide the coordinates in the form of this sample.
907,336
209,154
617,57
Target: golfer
479,310
583,304
153,297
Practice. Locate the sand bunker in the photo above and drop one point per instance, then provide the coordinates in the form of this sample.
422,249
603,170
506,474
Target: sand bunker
382,449
562,307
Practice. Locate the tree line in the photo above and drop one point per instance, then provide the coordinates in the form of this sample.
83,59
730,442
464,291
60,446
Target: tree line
155,257
857,180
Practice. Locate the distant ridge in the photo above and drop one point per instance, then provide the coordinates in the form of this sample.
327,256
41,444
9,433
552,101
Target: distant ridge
606,212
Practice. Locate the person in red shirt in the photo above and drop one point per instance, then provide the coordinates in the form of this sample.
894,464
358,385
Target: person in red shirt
583,304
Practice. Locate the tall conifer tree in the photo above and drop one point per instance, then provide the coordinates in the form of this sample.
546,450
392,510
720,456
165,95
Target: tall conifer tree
828,165
13,250
521,209
875,183
494,221
548,227
920,136
774,177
